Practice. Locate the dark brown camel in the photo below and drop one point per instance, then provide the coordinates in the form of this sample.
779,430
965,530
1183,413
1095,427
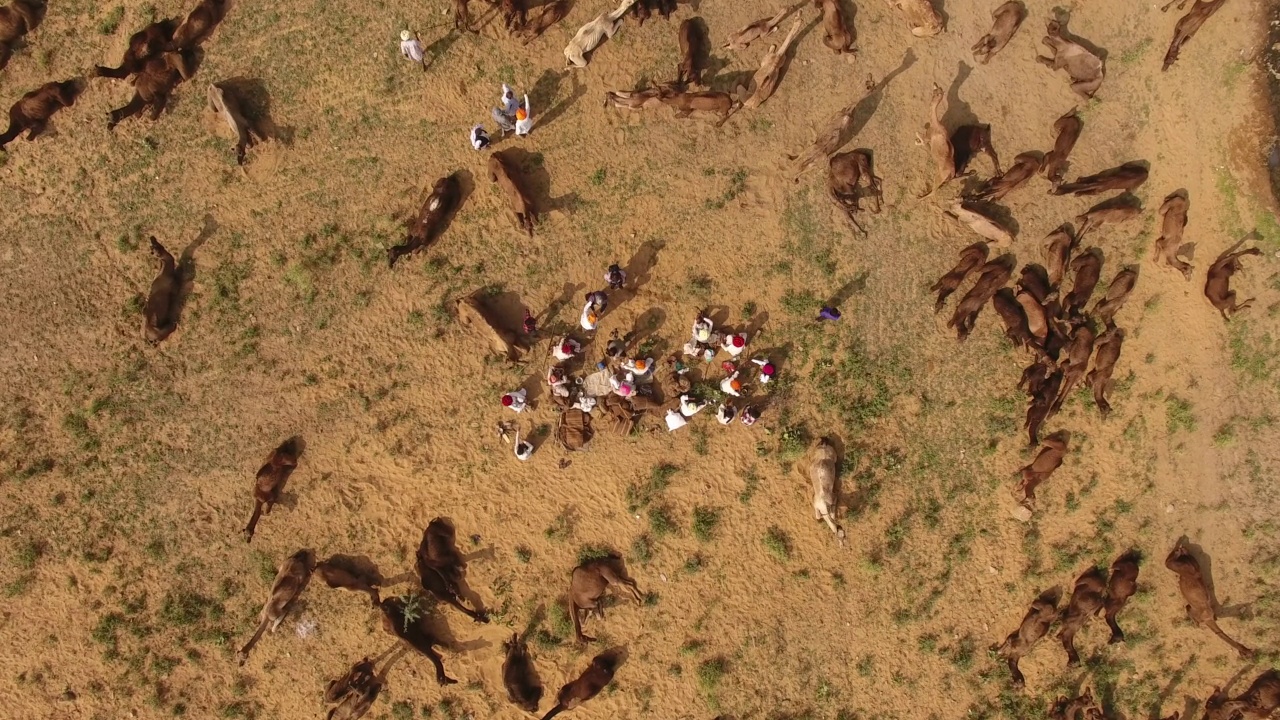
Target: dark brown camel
969,140
1173,220
994,275
693,50
146,44
1035,625
1106,353
199,25
1040,407
270,481
291,580
518,675
589,684
1188,25
1086,269
1025,166
441,567
1217,286
502,171
405,622
1087,598
153,85
17,19
1259,702
1049,459
1195,590
32,112
1066,131
1117,293
1121,586
848,173
337,573
551,14
159,316
431,219
1128,176
1057,254
1016,326
1079,349
971,258
355,692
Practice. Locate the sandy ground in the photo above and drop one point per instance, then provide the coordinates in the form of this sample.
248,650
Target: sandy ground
127,468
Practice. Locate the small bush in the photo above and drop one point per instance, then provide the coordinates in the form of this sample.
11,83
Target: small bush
111,21
660,522
777,543
705,521
523,554
711,673
588,553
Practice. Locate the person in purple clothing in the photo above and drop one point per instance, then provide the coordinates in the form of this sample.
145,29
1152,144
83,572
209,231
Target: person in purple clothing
829,313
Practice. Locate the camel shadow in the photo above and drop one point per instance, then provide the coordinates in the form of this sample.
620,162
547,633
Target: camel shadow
536,182
255,103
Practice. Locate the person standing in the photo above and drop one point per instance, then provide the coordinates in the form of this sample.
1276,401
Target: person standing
523,448
509,102
615,276
524,119
411,48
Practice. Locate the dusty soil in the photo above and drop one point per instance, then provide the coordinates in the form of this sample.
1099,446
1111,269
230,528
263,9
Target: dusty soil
127,468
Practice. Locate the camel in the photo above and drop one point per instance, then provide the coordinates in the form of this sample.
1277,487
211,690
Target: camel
1128,176
1049,459
33,110
339,574
1035,625
1066,131
1106,353
1057,253
1122,208
590,36
502,172
1036,314
1259,702
1043,396
225,103
199,25
355,692
1078,350
159,315
1086,268
1217,286
17,19
772,65
291,580
269,482
821,471
515,15
1080,708
742,39
1016,326
1120,587
984,225
588,584
1006,20
462,16
846,173
431,220
971,258
832,136
644,8
1025,166
923,20
440,567
146,44
401,619
1195,590
1034,281
1173,220
633,99
1085,69
153,85
523,689
969,140
940,147
686,103
589,684
993,276
1188,25
1086,599
693,48
551,14
836,35
1117,293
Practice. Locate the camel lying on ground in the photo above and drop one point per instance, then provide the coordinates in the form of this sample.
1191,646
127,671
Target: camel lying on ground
587,586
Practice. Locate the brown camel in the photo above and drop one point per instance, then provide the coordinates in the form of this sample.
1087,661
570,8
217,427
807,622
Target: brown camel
1117,293
291,580
1043,396
1259,702
923,20
1120,587
403,620
994,275
976,218
1025,166
1119,209
971,258
270,481
832,136
1128,176
1078,350
199,24
551,14
1217,286
1066,131
17,19
146,44
742,39
502,171
940,147
1016,326
687,103
32,112
1195,590
441,567
1080,708
1085,271
587,586
633,99
1173,220
515,15
847,174
693,51
1106,353
355,692
153,85
1033,279
1085,69
772,65
969,140
224,102
523,689
1006,19
835,30
1035,625
1087,598
1188,25
431,220
1049,459
1036,314
159,314
589,684
1057,253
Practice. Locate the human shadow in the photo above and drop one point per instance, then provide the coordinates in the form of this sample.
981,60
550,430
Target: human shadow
556,306
639,268
854,286
548,86
255,104
437,49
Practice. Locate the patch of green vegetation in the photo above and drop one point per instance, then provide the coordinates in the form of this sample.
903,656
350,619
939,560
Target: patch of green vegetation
711,673
777,543
561,528
28,553
927,643
523,554
642,493
751,483
800,303
77,426
402,710
111,21
792,441
1226,435
598,177
185,608
962,655
642,548
1135,53
705,520
866,665
737,184
748,311
1179,414
804,232
587,553
699,435
661,524
19,585
1251,357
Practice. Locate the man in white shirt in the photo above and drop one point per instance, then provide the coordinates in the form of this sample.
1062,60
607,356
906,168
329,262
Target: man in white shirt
412,49
689,407
731,385
524,119
516,400
735,344
726,412
509,102
565,349
479,138
589,317
524,450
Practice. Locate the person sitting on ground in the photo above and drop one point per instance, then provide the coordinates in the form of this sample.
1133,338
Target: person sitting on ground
506,123
558,382
623,385
703,328
530,324
599,300
585,403
411,48
750,414
675,421
616,346
639,368
479,138
565,348
690,407
734,344
767,369
516,400
524,119
615,276
589,317
726,412
523,448
679,375
731,385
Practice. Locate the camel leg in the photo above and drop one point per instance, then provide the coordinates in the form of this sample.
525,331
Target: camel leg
118,73
438,661
1245,653
475,615
575,611
12,133
135,106
243,655
253,522
157,106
